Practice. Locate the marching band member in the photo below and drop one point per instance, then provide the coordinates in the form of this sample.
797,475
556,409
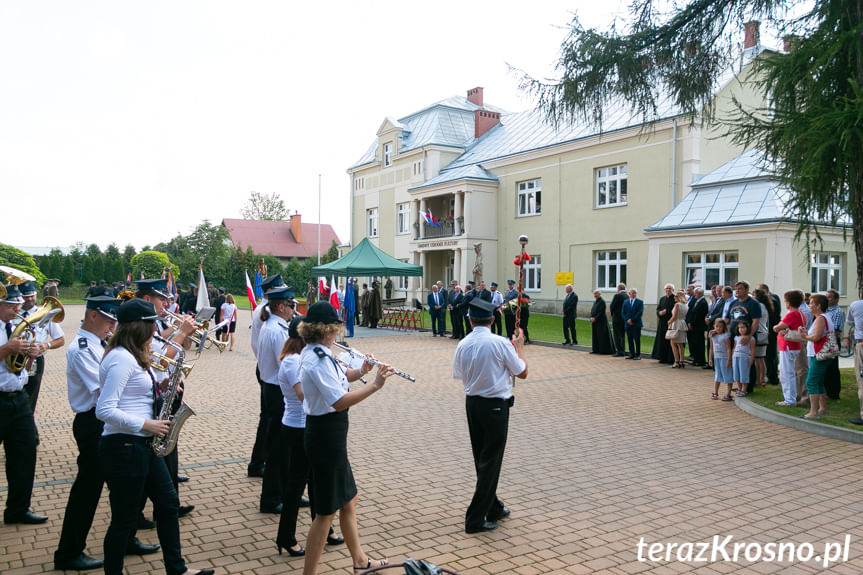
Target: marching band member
50,337
280,310
17,428
131,468
326,399
82,381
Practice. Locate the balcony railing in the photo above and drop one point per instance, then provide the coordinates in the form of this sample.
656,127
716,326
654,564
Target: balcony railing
445,230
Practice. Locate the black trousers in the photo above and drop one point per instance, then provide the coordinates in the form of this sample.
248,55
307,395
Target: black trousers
34,382
132,470
274,407
619,337
488,424
633,336
86,490
457,325
437,320
569,328
696,346
257,460
295,471
18,436
772,359
832,384
441,319
496,325
525,319
509,320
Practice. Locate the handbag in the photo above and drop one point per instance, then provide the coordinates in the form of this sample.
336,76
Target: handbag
793,335
672,333
830,349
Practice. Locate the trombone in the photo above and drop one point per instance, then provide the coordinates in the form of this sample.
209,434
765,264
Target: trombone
202,336
164,359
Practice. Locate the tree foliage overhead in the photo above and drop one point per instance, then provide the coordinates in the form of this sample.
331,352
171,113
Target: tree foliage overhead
263,207
810,126
15,258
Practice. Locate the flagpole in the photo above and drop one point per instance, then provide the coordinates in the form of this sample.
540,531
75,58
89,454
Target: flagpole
319,219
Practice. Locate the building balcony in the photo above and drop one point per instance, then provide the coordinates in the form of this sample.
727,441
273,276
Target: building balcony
448,228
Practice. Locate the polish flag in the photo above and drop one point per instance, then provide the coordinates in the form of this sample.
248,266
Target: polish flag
323,290
250,292
334,293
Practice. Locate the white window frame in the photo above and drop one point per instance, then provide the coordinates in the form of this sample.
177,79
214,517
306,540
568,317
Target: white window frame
388,154
533,274
403,216
831,264
402,283
605,262
372,222
523,191
723,265
604,178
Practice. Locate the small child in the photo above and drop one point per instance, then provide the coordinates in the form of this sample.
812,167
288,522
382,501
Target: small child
721,353
742,357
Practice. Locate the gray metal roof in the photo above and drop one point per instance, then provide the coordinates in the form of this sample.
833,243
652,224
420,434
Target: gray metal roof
473,172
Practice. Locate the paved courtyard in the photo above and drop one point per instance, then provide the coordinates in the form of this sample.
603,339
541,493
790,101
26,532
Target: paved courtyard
602,453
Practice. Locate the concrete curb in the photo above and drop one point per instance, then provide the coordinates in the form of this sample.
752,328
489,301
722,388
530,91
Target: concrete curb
798,423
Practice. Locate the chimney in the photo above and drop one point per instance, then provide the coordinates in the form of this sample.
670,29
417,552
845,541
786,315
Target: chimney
297,227
474,96
484,120
751,37
788,42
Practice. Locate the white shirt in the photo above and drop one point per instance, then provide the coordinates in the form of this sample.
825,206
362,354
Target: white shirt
126,399
289,377
83,356
257,324
497,298
485,363
855,318
324,382
228,310
8,380
270,341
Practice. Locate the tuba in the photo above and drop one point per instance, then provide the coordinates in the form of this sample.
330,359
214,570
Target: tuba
29,328
164,445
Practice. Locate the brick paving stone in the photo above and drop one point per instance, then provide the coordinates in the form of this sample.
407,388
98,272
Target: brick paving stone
601,453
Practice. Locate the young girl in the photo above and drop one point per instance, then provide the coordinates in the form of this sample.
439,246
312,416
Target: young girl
742,358
721,353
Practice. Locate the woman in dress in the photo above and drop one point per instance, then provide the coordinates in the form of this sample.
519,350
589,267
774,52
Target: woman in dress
327,397
131,468
229,310
677,322
815,338
661,346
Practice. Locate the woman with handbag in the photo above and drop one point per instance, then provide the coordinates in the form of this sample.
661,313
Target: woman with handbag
818,349
676,332
789,341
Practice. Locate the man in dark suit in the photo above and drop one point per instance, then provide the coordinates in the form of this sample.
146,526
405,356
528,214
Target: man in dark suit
442,319
617,321
633,309
454,298
695,327
469,294
570,304
436,309
482,292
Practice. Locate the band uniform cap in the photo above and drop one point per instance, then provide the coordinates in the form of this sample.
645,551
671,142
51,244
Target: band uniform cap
104,304
322,312
293,332
13,295
510,282
480,308
283,292
493,284
471,283
27,288
136,309
221,290
271,282
157,285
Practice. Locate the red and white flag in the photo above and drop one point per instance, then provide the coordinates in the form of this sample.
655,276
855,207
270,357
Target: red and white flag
250,292
323,289
334,293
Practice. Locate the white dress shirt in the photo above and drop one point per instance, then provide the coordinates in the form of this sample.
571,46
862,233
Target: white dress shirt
257,324
270,341
83,356
324,382
289,376
855,318
126,398
8,380
485,363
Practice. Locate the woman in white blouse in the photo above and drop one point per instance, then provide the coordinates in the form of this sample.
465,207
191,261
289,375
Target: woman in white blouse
131,468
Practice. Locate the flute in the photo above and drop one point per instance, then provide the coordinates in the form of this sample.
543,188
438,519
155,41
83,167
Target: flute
354,353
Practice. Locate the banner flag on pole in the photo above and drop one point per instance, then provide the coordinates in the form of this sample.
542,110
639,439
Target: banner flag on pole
334,293
203,298
250,292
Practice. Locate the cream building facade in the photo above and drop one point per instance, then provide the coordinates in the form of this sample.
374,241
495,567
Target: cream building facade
641,206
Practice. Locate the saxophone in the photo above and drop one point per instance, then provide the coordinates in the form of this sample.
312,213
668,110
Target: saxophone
164,445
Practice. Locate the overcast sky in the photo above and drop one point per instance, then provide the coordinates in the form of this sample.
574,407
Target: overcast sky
131,122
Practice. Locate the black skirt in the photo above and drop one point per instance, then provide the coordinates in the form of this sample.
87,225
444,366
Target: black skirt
331,481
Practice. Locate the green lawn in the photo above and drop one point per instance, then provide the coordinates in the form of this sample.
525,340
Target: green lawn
840,410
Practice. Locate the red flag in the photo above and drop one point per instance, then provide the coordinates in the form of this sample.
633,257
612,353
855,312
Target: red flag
334,293
250,292
323,290
129,278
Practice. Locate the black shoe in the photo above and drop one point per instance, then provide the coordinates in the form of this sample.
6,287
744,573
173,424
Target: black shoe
80,563
144,523
485,526
185,510
856,421
304,502
138,548
334,539
275,509
566,343
28,518
256,471
630,356
705,366
182,478
636,357
292,552
502,514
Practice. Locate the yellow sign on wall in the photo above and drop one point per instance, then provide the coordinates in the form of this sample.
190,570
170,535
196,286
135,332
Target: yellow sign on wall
563,278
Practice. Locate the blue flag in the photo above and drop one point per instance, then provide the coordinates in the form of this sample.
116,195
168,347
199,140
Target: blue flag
349,307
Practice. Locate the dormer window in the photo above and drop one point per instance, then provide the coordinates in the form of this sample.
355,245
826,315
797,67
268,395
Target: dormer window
388,154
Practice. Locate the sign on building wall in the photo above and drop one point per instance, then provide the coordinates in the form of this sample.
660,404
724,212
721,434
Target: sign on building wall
563,278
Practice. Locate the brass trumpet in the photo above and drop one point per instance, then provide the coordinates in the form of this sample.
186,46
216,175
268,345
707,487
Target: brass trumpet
160,358
202,337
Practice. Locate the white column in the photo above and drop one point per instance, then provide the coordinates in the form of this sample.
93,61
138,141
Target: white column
459,211
425,274
414,218
467,214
